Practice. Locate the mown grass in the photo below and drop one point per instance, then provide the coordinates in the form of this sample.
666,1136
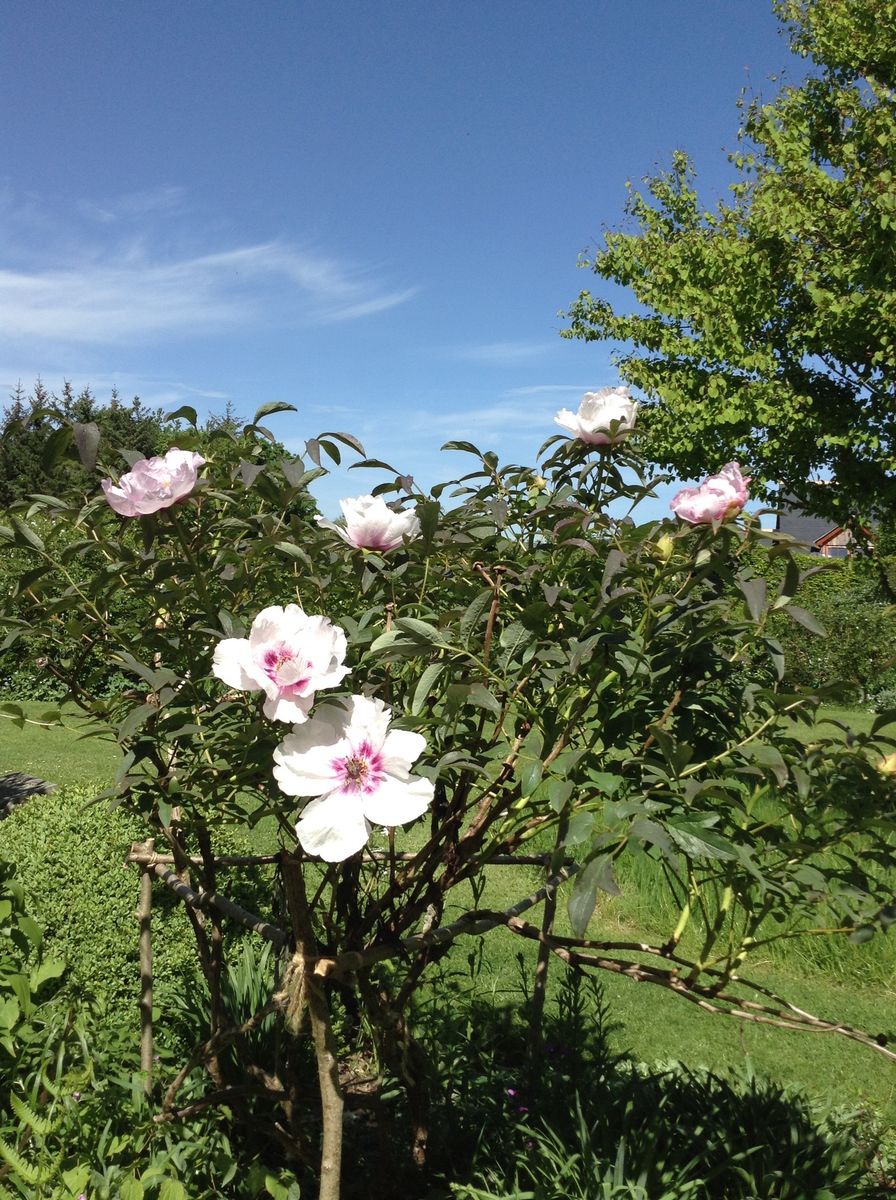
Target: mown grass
853,984
67,755
656,1026
856,720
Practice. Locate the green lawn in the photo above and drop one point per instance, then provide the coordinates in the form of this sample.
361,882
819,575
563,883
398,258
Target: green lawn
857,720
657,1026
61,754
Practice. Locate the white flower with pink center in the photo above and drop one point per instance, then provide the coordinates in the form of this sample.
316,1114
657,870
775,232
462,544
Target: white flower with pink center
154,483
288,655
370,524
358,771
718,498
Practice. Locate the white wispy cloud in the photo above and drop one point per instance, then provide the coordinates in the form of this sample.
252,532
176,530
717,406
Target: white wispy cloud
133,296
550,389
166,198
503,353
504,419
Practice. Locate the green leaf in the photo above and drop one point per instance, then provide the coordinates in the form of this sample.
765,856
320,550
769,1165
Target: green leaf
769,757
347,439
616,561
9,1013
130,1188
474,613
384,641
428,514
268,410
171,1190
483,698
31,929
583,897
54,449
642,829
420,631
374,464
580,828
50,968
608,783
21,985
776,654
87,439
791,581
806,619
530,776
76,1179
43,1126
698,842
514,638
425,686
755,592
249,472
465,447
184,413
279,1190
884,718
24,1170
26,535
559,792
134,720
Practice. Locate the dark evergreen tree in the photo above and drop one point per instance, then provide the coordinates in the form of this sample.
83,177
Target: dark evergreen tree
34,437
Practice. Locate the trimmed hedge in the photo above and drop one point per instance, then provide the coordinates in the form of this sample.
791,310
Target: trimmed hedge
70,858
856,658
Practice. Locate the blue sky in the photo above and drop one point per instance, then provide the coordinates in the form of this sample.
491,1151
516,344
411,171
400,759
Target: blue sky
370,210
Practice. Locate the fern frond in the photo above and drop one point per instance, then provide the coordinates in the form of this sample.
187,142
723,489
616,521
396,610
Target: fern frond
24,1170
42,1126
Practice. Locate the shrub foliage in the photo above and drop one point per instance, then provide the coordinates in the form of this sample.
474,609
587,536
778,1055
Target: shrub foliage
580,682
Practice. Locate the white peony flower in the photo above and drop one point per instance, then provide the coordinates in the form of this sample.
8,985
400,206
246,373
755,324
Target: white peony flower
288,656
154,483
370,524
604,418
358,771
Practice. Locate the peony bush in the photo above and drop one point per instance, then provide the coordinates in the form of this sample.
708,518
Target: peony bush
509,669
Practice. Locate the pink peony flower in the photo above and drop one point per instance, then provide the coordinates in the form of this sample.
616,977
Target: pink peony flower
604,418
358,771
288,656
717,498
370,524
154,483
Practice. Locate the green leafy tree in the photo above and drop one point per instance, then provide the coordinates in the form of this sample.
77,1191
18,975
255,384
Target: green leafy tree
765,328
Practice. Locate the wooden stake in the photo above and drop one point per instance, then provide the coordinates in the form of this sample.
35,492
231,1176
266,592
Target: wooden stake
144,916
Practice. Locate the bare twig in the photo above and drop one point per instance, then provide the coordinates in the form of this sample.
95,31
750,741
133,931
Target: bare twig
205,900
710,997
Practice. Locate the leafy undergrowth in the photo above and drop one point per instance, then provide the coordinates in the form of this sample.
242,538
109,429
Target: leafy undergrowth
583,1121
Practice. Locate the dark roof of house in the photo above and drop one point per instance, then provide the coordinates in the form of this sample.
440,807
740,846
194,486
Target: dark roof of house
800,525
